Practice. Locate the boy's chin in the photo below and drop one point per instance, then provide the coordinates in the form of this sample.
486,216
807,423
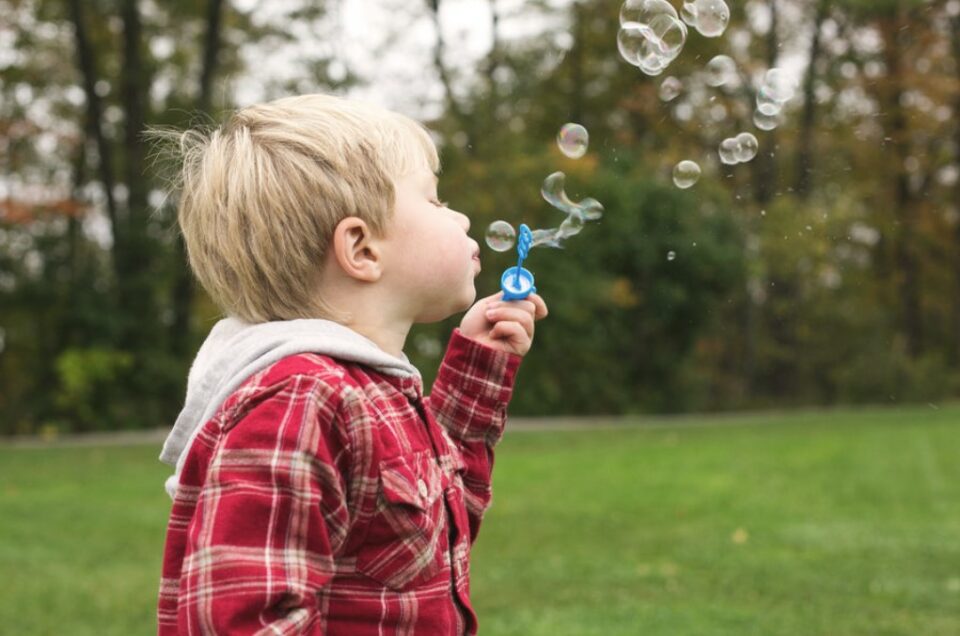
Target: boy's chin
438,313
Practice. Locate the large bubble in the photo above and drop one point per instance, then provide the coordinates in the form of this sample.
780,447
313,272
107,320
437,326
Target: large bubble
553,192
729,151
573,140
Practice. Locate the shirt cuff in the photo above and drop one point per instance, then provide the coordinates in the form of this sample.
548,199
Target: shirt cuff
484,374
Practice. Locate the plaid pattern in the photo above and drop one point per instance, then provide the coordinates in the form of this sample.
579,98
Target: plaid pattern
326,498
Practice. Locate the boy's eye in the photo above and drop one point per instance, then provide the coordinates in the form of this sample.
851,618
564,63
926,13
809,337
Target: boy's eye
440,204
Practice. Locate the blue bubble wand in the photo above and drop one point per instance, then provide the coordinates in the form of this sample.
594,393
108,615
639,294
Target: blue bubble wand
517,282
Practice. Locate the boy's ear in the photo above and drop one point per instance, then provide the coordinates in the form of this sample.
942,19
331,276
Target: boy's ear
356,250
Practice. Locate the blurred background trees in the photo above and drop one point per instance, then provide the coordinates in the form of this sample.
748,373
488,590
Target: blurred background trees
825,271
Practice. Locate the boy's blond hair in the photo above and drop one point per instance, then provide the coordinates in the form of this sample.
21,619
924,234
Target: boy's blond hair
261,195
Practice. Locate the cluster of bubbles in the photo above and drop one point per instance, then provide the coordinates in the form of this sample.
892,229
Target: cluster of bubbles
651,34
777,89
573,140
739,149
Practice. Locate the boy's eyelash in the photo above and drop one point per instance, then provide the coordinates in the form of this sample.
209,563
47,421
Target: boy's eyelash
441,204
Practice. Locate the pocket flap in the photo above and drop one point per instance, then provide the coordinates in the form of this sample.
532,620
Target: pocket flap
412,480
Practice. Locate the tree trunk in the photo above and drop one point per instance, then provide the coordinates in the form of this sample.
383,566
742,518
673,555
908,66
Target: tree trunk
576,64
466,125
136,287
805,149
765,163
903,204
183,286
955,37
86,63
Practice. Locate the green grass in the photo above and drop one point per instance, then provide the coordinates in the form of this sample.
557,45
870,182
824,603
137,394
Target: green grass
832,523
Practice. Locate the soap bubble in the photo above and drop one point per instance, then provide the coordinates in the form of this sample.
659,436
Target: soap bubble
778,85
747,147
767,105
571,226
688,13
550,238
652,47
670,87
644,11
651,35
721,70
591,209
729,151
711,16
767,122
501,236
573,140
553,193
671,255
685,174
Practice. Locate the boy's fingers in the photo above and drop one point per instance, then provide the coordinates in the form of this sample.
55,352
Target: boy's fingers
540,306
510,331
512,314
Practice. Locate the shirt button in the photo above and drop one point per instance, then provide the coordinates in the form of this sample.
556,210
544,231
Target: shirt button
422,488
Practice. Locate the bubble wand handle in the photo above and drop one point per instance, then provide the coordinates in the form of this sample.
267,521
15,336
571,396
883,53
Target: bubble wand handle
517,282
523,247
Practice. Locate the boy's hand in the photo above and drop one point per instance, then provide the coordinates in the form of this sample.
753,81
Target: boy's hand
504,325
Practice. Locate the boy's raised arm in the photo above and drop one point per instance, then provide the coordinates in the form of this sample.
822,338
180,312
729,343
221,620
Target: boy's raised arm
469,399
270,514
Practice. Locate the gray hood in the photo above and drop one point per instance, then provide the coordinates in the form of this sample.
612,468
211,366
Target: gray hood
236,350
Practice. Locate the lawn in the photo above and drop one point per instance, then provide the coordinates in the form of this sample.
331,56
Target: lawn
829,523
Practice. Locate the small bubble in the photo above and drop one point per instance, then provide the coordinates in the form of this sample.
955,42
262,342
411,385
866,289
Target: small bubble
767,105
729,151
721,70
573,140
747,147
685,174
671,255
500,236
670,87
766,122
778,85
709,17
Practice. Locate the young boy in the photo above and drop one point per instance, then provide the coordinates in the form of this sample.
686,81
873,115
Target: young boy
317,490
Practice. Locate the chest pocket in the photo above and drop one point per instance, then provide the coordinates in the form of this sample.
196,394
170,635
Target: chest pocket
405,544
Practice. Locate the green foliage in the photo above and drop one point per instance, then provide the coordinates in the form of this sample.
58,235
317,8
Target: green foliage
777,295
87,379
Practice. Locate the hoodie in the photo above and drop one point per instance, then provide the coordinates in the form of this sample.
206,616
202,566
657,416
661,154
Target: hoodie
236,350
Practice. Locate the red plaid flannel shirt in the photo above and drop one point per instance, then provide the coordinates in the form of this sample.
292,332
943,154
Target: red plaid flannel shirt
326,498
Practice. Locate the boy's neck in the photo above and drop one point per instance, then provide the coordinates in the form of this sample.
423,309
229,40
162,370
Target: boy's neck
389,337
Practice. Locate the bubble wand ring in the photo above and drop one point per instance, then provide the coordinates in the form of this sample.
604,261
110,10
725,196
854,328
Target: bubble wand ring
517,282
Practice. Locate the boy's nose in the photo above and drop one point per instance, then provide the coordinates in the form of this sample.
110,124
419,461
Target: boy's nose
464,221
